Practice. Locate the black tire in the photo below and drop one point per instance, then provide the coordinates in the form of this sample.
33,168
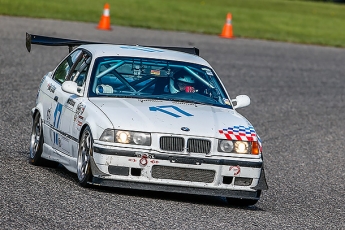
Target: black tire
84,153
36,144
243,202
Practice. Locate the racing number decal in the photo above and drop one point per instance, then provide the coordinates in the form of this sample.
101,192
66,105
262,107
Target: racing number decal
163,108
57,115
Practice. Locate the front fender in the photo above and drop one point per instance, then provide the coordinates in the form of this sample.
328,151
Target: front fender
95,119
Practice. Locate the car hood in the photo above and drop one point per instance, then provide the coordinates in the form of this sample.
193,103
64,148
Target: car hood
168,116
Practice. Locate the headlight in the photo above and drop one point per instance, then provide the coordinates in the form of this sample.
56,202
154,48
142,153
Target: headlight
123,137
241,147
141,138
108,135
225,146
126,137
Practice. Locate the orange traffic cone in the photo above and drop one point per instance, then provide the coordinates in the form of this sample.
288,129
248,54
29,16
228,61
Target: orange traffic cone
104,23
227,28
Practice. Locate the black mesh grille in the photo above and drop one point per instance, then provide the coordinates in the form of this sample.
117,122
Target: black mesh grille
175,144
182,174
198,146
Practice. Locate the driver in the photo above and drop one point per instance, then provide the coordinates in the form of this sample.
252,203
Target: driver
182,84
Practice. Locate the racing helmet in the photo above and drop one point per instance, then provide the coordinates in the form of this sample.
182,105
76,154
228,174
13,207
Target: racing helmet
173,83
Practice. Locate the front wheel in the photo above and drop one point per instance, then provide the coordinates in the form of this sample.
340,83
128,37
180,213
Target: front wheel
84,155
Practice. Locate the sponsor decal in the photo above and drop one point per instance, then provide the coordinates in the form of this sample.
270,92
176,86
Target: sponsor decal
80,110
154,161
78,118
70,102
51,87
49,112
236,169
165,109
239,133
151,156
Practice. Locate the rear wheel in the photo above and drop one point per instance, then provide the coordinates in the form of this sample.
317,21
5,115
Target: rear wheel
36,144
84,155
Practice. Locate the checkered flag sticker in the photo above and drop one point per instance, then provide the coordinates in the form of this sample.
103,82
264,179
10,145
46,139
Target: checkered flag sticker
240,133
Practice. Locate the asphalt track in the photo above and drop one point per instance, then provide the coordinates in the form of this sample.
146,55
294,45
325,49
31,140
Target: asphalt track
297,107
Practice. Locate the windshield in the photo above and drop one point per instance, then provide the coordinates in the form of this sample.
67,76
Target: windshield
156,79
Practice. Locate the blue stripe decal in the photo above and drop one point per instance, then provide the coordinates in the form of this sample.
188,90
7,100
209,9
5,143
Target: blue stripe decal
57,115
163,108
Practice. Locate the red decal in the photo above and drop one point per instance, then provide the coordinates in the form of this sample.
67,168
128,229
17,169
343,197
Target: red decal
133,160
227,136
236,169
154,162
143,160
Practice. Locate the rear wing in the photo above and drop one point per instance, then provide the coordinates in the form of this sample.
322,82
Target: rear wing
52,41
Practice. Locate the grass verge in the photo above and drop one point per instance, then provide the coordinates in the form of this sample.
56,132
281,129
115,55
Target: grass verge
282,20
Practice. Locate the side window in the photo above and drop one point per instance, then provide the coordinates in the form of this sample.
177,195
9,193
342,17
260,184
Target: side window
63,71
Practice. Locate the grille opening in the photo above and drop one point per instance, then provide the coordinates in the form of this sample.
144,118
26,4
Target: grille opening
227,179
118,170
183,174
175,144
135,172
241,181
198,146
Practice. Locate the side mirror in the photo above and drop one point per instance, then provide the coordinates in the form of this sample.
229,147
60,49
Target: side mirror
72,88
241,101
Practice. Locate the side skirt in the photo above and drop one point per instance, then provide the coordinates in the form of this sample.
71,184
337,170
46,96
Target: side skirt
68,162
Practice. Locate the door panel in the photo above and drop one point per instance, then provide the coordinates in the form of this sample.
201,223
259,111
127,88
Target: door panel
68,141
55,106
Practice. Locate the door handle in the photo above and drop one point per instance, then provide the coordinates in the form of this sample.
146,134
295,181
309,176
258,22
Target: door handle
56,98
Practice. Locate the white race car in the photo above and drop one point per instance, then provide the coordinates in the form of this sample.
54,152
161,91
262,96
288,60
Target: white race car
151,118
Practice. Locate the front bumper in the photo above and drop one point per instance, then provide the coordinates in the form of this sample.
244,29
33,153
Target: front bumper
149,170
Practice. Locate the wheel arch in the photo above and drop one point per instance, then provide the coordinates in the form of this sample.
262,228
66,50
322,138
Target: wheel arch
82,130
37,109
34,111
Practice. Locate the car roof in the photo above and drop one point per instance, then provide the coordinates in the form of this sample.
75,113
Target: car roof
104,50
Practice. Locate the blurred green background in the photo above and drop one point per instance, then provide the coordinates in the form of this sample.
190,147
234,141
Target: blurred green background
297,21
